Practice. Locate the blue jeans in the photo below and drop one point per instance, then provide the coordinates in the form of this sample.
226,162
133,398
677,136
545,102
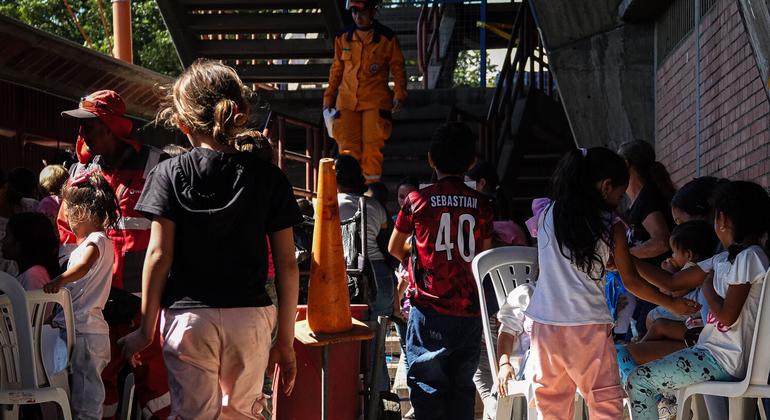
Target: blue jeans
385,290
677,370
382,305
443,353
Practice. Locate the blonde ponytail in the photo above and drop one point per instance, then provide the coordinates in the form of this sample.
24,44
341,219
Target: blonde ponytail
208,97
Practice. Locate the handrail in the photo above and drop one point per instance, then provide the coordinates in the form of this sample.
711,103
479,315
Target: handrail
316,146
431,14
522,71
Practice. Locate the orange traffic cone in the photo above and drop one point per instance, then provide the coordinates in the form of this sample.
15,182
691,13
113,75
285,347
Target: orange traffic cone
328,302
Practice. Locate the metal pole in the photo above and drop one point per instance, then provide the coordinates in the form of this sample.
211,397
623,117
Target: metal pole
324,382
697,88
378,357
483,44
121,23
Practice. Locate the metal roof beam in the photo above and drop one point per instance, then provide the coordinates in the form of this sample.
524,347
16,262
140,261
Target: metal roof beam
265,49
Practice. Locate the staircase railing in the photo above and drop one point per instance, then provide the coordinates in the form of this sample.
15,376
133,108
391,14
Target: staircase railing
523,70
428,48
317,145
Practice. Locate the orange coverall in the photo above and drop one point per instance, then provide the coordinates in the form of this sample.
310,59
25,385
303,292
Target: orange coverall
363,62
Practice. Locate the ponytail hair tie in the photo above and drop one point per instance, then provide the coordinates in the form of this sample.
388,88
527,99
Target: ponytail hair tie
239,119
583,151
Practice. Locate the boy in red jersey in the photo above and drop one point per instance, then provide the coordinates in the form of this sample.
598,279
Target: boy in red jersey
451,223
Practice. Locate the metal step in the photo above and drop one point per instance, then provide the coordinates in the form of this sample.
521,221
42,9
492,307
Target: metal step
393,345
399,149
284,73
400,168
265,49
239,23
249,4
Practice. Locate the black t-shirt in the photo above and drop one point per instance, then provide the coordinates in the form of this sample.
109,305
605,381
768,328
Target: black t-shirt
223,205
647,202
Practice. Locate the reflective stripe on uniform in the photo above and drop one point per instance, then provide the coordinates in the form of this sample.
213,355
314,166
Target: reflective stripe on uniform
132,223
155,405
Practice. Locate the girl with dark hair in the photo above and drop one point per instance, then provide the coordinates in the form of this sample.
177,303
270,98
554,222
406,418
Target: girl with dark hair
650,190
649,219
90,207
405,187
12,201
31,241
577,234
695,200
733,295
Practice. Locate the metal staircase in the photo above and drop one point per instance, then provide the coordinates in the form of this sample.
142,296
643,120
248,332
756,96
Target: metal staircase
265,40
521,124
525,130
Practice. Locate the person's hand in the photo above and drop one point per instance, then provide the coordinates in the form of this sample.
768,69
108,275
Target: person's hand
610,266
283,356
504,374
670,266
622,303
403,282
134,343
682,306
397,106
52,287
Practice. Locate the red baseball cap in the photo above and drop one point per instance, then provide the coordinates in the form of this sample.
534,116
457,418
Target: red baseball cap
361,4
98,103
108,106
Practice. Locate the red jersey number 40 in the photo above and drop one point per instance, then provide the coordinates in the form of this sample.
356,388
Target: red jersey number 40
444,238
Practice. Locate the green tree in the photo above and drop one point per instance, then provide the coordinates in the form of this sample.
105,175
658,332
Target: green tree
152,44
467,71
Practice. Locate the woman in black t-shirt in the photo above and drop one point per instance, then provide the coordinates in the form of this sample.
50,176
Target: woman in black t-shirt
649,216
207,260
649,190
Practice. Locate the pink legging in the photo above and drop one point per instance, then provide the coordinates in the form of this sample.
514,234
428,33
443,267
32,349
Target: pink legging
581,357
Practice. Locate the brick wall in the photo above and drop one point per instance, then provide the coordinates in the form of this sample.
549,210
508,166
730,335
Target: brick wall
735,111
675,111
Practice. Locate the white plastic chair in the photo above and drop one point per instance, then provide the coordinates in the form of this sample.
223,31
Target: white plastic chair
24,379
742,394
128,408
45,337
507,267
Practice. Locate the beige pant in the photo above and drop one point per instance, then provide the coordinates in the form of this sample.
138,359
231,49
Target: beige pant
581,357
216,361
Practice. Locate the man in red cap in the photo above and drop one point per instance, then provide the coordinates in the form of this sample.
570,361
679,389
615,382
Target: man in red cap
104,142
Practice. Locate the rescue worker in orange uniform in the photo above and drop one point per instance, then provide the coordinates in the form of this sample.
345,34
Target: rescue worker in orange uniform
365,55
